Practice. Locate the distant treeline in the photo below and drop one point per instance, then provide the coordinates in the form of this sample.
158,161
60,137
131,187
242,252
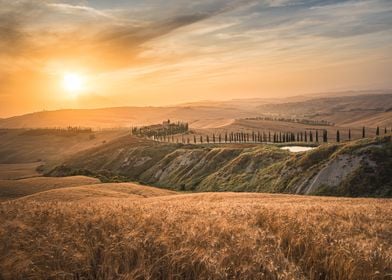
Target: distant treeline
307,136
253,137
161,130
68,131
294,120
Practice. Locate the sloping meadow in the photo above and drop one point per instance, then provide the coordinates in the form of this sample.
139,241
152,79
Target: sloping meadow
359,168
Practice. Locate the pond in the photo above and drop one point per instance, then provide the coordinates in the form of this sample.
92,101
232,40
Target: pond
296,149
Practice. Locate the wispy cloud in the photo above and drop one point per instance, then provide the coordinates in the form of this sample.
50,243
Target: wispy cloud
163,42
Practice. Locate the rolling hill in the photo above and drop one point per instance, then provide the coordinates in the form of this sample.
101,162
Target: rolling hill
370,110
19,170
81,191
12,189
22,146
93,233
345,108
359,168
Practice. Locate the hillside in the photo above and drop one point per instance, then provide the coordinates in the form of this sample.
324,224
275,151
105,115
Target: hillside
30,146
12,189
19,170
371,110
345,108
359,168
121,116
90,233
94,192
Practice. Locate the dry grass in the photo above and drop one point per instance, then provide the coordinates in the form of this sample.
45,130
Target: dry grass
11,189
19,170
196,236
103,191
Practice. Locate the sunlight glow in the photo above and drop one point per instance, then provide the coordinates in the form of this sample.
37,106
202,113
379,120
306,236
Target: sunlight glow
73,83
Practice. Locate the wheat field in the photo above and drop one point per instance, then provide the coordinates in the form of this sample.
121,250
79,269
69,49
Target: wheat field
196,236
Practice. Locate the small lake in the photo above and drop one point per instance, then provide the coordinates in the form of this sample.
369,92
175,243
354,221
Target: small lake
296,149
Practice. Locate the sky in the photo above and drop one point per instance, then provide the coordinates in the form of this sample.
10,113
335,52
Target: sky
95,53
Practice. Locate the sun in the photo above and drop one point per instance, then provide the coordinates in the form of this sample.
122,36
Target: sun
73,83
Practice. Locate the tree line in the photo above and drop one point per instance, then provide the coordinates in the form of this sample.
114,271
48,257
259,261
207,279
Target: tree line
307,136
294,120
59,131
158,131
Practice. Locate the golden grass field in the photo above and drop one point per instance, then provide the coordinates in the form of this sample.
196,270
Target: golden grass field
19,170
11,189
127,231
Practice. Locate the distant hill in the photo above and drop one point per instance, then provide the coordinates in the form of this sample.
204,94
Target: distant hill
119,117
12,189
346,108
371,110
360,168
22,146
75,188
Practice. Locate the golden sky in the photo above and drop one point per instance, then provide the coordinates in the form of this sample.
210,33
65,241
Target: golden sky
85,54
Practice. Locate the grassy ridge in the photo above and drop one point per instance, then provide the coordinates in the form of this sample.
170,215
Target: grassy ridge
359,168
196,236
11,189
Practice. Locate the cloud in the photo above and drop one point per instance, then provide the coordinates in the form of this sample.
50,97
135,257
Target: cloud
52,30
175,41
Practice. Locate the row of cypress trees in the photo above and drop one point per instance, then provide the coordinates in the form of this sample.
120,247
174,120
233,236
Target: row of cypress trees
310,136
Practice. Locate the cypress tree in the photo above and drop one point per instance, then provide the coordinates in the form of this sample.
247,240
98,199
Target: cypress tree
337,136
306,136
213,137
317,136
269,136
310,136
378,131
349,134
194,139
363,132
201,139
385,130
208,139
220,138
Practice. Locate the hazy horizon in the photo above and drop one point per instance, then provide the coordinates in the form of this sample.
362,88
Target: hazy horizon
203,102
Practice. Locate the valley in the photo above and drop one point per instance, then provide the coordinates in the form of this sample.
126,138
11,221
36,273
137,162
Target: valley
102,203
